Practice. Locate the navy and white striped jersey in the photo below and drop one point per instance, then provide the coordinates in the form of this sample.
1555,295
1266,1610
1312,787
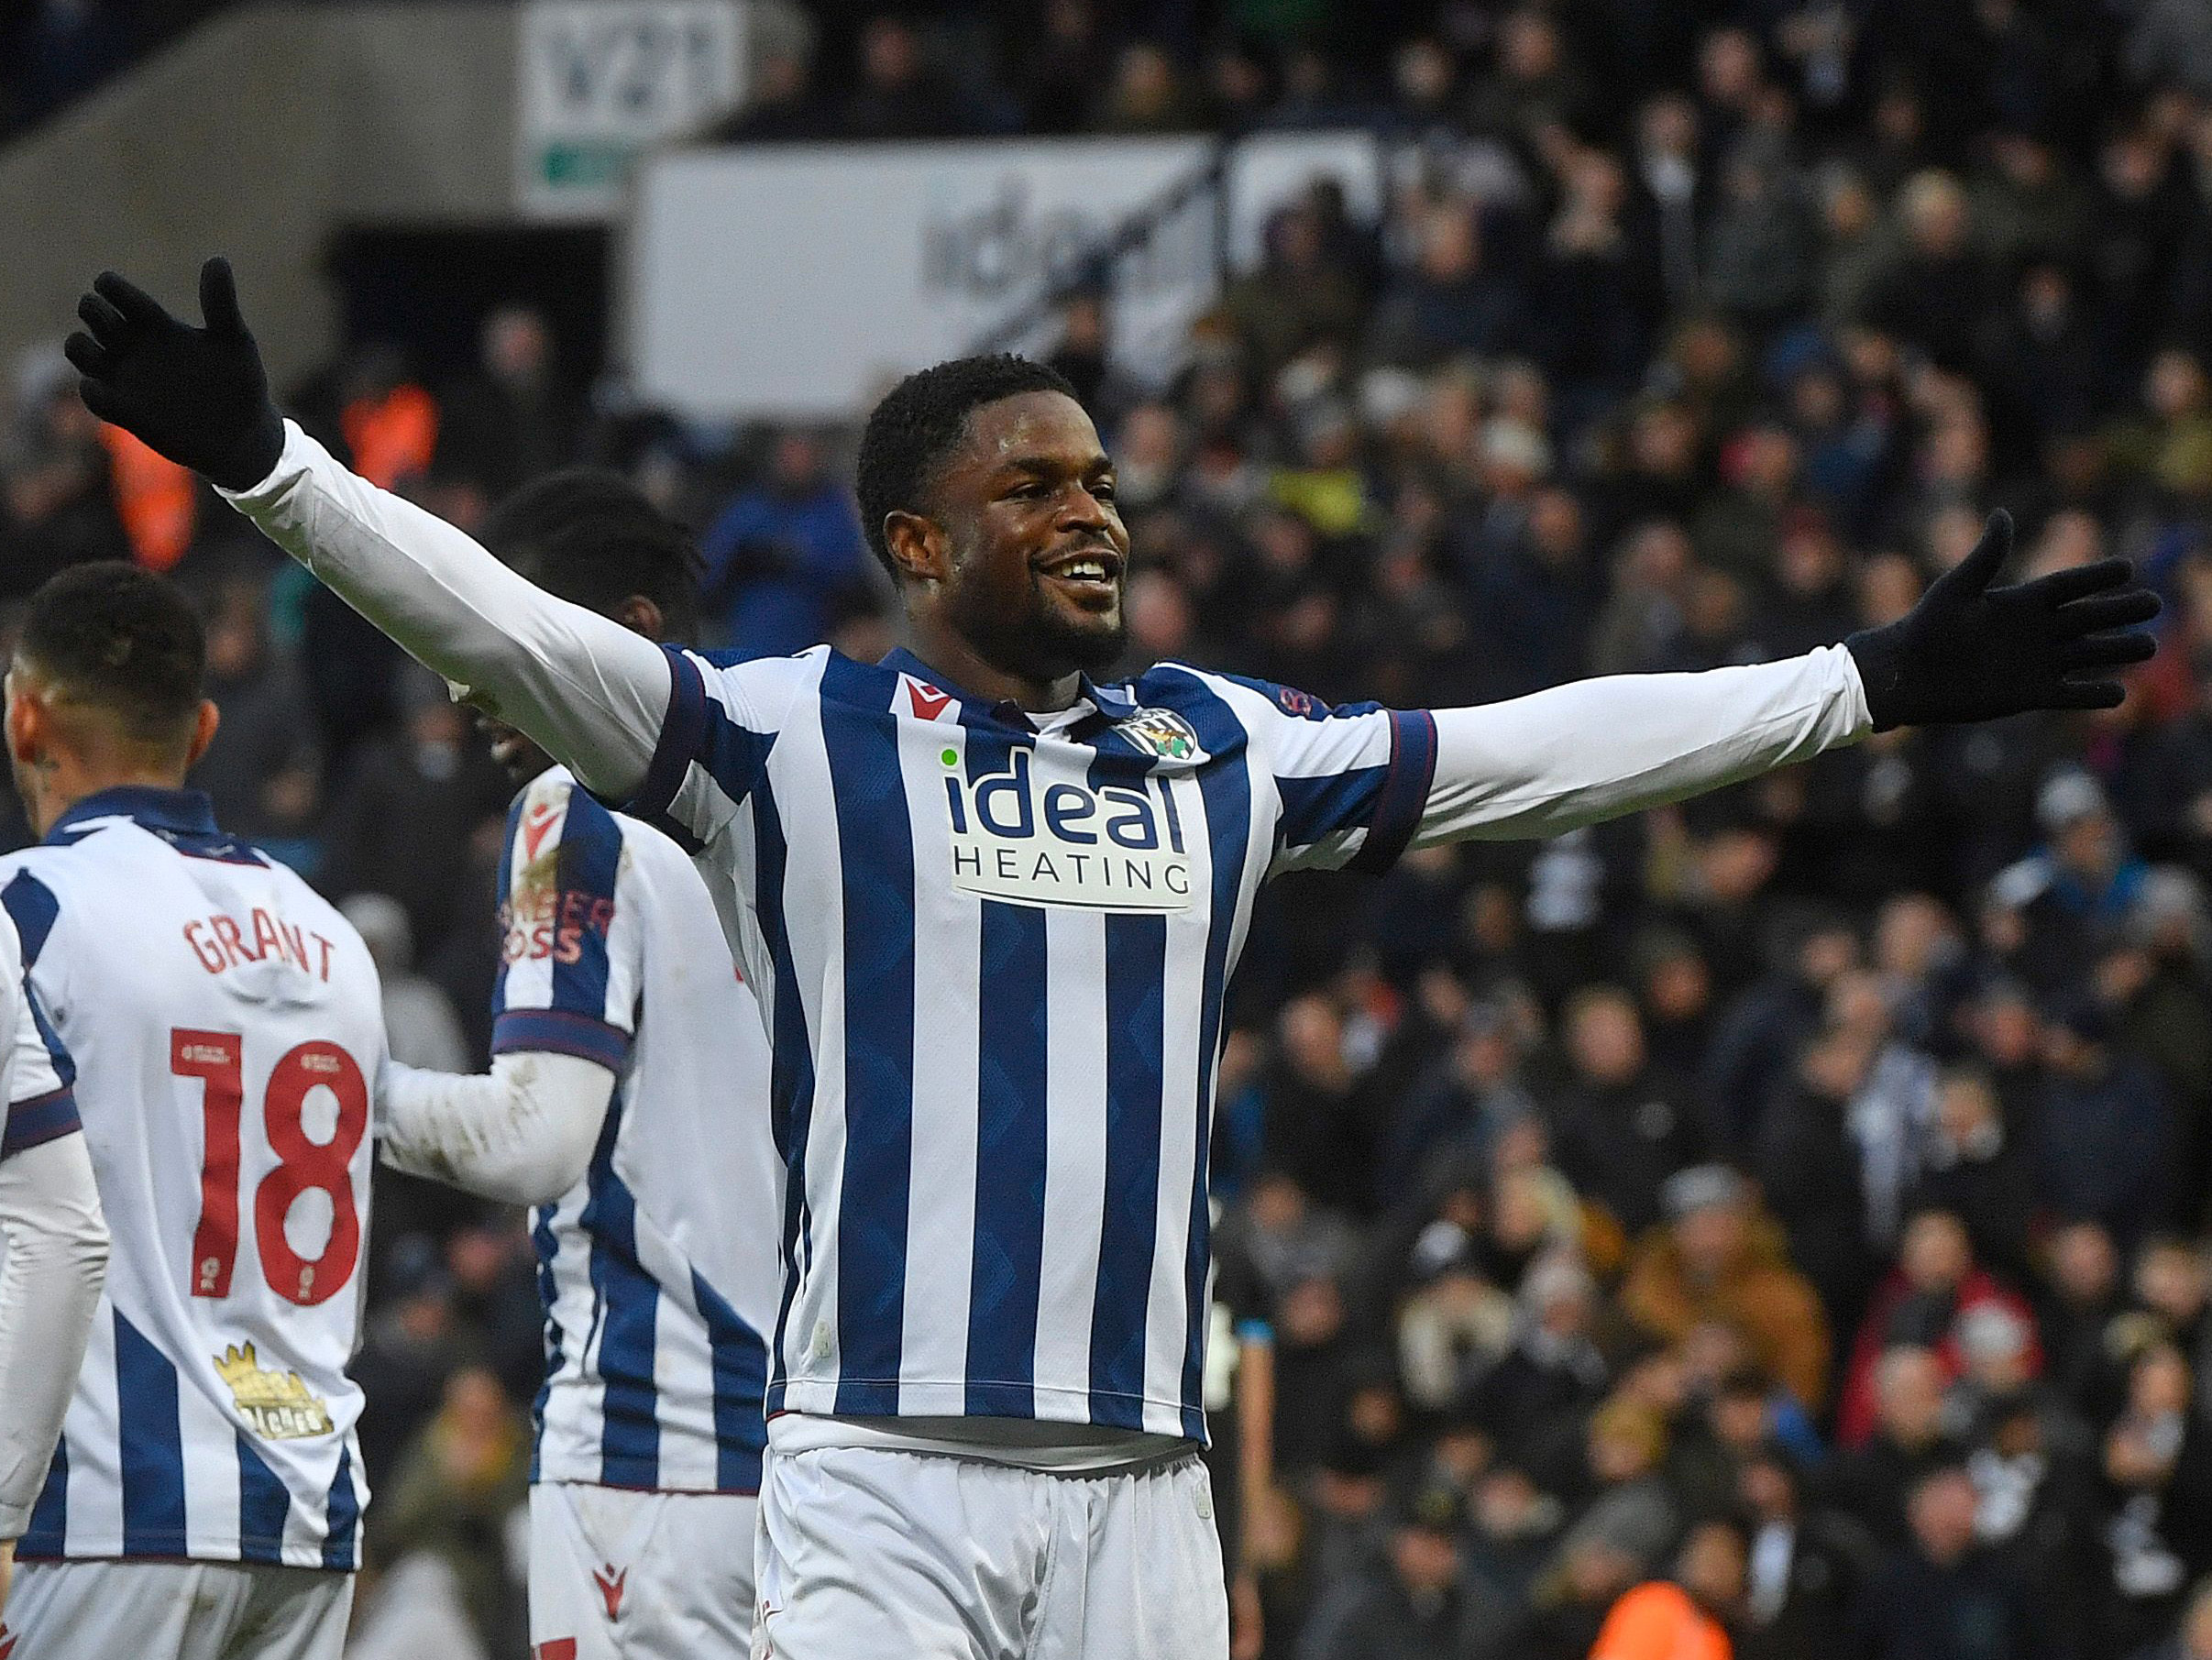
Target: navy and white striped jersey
992,952
993,960
227,1034
659,1269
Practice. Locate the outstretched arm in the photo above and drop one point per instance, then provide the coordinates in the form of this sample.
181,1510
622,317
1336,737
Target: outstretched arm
1360,784
1967,652
522,1134
590,692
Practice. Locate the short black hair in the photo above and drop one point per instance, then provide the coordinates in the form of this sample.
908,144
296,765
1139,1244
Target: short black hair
923,417
592,537
120,639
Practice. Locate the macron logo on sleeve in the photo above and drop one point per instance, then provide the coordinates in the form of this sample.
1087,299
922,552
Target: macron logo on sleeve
927,702
537,823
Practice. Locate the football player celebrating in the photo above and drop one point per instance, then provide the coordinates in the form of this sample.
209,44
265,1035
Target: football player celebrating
990,905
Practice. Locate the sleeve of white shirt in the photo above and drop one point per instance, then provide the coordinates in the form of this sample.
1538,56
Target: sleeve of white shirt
1358,784
592,693
55,1239
563,1013
1596,749
522,1134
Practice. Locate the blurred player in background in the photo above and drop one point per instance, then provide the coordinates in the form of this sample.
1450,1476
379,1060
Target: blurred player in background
627,1101
991,907
53,1250
207,1495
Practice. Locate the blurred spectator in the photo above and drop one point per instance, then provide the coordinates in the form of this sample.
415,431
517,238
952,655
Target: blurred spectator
454,1496
1720,1260
412,801
419,1017
2193,1639
1419,1601
1806,1567
785,559
1621,1128
1930,1302
1684,1618
512,418
56,506
900,95
262,770
1944,1597
1448,303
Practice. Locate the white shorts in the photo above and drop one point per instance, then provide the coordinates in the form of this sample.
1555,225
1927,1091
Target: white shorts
616,1575
177,1611
864,1551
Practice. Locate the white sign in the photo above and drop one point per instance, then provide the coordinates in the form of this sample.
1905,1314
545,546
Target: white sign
600,81
798,281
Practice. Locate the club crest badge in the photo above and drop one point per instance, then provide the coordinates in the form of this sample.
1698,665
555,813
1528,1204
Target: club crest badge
1162,733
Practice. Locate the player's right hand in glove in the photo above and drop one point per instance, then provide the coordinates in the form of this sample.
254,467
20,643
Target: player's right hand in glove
197,395
1970,652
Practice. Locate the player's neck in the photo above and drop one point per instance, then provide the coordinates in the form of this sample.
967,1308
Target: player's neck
960,664
66,780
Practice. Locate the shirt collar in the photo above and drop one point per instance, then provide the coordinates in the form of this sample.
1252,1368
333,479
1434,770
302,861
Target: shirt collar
184,811
1112,701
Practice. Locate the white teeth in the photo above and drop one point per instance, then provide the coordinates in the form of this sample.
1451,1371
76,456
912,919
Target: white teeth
1085,570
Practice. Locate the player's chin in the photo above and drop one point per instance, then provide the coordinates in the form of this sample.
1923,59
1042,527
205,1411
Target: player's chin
1091,640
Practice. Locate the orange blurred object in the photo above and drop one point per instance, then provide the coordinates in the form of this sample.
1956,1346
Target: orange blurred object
1660,1622
154,498
391,437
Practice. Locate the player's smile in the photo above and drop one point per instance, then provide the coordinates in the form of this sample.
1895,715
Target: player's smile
1092,573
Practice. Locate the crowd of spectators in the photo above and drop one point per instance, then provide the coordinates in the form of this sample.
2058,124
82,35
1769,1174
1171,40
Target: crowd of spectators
1787,1209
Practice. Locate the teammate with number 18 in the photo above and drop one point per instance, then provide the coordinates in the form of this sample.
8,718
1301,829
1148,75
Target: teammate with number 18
991,907
205,1498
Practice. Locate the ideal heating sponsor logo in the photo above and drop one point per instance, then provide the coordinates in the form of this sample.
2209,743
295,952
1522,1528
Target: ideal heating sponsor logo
1037,842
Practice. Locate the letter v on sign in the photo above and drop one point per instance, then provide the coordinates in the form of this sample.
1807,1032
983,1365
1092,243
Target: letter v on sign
927,701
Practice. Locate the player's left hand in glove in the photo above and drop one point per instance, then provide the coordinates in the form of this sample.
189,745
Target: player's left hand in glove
197,395
1970,652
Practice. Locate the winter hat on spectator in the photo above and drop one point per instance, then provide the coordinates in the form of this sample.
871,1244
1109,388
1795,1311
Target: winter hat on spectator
1701,1187
1440,1249
2066,798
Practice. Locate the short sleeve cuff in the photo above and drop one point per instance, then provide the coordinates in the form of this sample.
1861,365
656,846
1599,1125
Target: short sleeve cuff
40,1119
1404,793
557,1031
683,732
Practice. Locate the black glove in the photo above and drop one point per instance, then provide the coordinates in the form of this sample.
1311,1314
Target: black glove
1970,652
197,395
